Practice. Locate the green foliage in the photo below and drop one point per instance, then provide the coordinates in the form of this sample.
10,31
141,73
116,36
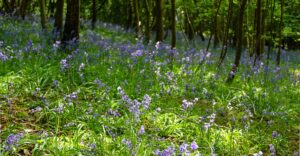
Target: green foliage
76,115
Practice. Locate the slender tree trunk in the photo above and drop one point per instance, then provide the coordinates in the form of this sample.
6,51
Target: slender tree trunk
129,24
270,42
51,8
147,24
213,29
24,6
225,40
258,32
159,20
280,33
42,12
173,25
58,23
71,28
239,45
94,14
137,16
7,6
217,4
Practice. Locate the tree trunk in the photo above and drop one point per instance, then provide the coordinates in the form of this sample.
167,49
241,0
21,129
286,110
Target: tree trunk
270,41
225,39
258,32
280,33
94,14
24,6
173,25
147,24
71,28
137,16
213,28
58,23
42,12
159,20
239,45
51,8
217,5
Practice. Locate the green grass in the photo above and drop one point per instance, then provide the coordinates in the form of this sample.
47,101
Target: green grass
247,111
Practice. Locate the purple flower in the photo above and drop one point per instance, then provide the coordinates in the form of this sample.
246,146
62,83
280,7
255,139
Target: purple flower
137,53
11,139
37,109
142,130
99,83
186,104
114,113
157,152
127,143
194,146
183,147
56,44
146,101
30,44
81,67
272,149
64,65
260,153
3,57
55,83
274,134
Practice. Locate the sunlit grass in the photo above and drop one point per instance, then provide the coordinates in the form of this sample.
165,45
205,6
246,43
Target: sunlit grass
79,110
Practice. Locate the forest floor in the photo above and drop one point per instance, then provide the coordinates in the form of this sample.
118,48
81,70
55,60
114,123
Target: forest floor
113,95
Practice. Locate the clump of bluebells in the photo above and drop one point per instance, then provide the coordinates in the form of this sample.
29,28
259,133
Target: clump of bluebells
187,104
134,106
166,152
13,140
3,57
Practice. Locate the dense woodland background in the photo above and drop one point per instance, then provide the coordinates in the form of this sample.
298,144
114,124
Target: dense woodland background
149,77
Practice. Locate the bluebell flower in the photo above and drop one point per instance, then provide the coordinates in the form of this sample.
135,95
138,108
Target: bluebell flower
3,57
137,53
81,67
64,65
127,143
183,147
157,152
272,149
194,146
274,134
146,101
11,139
142,130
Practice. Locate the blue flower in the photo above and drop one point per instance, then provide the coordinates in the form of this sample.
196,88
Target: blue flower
3,57
64,65
183,147
142,130
194,145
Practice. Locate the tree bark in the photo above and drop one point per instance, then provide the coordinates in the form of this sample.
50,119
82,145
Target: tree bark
94,14
217,5
280,33
137,16
24,6
71,28
239,45
225,39
42,12
147,24
173,25
159,20
258,32
58,23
